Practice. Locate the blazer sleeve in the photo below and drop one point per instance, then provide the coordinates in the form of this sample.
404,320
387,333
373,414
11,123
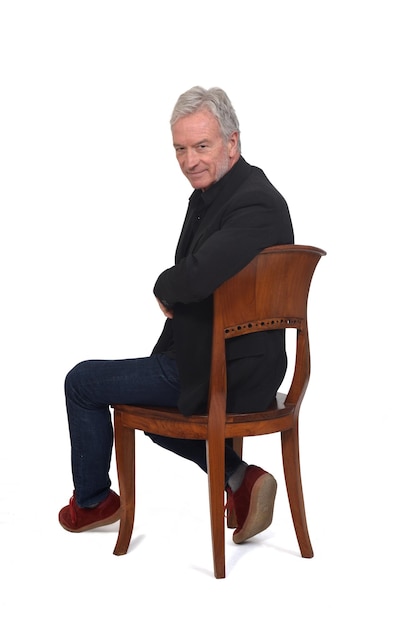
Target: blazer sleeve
253,222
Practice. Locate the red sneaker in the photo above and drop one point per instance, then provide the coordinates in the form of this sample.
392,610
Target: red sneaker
76,519
253,503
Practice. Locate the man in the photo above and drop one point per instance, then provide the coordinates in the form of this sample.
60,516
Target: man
234,212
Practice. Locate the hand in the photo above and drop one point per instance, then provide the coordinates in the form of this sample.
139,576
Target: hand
167,312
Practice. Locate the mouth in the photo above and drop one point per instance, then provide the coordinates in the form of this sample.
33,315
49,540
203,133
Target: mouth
194,174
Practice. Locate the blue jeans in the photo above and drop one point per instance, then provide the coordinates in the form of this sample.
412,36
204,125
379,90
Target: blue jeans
90,388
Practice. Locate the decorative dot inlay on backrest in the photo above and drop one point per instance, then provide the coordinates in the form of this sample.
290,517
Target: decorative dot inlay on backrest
268,324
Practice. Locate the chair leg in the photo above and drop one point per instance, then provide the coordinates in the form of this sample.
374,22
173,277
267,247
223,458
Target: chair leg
237,445
291,462
230,513
215,458
125,459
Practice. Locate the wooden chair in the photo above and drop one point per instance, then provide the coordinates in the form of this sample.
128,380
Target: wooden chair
270,292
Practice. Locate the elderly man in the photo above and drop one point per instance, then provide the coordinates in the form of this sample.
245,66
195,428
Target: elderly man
234,212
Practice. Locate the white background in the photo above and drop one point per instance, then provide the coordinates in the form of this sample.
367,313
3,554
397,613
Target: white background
92,201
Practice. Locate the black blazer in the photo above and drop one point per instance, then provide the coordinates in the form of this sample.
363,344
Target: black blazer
225,227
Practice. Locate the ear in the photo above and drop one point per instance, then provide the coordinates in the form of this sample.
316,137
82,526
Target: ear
233,144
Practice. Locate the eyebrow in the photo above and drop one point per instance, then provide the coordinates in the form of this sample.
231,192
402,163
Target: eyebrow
197,143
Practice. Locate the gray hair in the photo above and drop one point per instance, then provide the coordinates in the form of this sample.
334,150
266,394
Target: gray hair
214,100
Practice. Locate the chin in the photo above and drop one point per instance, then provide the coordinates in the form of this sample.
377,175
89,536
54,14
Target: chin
202,186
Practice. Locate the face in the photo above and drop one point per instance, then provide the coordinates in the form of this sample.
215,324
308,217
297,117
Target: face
201,151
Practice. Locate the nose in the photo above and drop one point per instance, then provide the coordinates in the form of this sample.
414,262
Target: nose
190,159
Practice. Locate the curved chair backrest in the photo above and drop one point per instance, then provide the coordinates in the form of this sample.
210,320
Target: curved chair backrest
271,292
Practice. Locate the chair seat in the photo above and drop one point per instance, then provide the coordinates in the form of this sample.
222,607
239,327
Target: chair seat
170,422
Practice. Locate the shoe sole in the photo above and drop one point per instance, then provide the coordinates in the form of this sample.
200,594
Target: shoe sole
261,508
104,522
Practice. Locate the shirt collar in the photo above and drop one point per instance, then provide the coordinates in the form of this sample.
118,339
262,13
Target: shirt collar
228,180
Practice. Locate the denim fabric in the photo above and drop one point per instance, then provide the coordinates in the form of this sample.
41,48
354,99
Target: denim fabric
90,388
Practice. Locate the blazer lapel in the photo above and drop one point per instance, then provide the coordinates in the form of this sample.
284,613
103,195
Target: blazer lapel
186,235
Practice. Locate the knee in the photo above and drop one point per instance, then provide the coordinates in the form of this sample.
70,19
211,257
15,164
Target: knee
151,436
160,440
75,377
